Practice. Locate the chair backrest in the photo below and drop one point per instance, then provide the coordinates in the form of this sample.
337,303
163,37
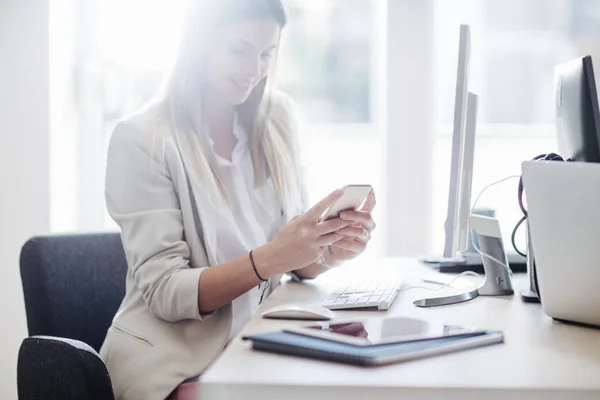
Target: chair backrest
73,285
58,368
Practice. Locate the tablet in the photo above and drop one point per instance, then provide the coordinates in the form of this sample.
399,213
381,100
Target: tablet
386,330
294,344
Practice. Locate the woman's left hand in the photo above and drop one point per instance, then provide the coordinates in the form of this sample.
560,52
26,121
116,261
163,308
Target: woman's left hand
357,235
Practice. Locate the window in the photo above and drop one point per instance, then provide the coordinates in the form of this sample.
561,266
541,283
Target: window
326,63
331,64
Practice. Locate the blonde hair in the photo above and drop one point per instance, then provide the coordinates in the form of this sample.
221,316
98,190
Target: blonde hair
267,118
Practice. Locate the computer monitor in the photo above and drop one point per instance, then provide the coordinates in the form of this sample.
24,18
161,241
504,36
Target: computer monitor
463,152
457,256
456,227
577,116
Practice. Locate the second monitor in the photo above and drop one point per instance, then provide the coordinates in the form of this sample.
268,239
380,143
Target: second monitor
577,116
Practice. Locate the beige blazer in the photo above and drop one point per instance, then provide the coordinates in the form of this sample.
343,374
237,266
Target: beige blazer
158,338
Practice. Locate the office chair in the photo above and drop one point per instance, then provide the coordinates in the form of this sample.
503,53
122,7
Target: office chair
72,286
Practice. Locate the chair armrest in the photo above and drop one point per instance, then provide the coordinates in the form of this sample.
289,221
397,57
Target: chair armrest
60,368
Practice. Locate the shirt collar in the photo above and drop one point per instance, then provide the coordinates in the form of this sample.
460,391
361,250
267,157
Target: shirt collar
238,132
242,140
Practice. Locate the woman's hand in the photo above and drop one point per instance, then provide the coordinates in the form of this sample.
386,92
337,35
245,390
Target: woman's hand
356,235
302,241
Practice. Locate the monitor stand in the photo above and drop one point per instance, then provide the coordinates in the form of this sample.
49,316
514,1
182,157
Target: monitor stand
497,281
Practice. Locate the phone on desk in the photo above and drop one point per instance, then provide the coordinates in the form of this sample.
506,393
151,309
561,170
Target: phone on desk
354,196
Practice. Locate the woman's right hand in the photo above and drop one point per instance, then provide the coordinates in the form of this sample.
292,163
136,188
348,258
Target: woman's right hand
302,241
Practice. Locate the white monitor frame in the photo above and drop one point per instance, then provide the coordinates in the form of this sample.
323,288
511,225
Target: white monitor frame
463,153
468,160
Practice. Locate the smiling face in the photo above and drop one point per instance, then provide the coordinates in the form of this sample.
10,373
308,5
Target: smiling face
240,57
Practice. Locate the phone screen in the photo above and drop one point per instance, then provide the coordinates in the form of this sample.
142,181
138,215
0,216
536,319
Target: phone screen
353,198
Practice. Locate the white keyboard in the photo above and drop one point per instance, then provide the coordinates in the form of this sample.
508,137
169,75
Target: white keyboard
375,293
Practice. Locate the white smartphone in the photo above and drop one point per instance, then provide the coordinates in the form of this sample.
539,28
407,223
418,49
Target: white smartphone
354,197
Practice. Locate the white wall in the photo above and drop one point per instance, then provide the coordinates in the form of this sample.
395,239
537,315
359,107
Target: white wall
24,164
64,169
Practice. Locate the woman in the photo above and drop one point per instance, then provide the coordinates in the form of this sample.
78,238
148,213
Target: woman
206,188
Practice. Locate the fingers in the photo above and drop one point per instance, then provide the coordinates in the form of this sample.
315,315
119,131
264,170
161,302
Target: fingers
350,245
360,217
318,209
369,204
329,238
360,233
331,226
363,217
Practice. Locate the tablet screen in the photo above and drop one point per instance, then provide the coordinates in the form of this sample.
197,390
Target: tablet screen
372,331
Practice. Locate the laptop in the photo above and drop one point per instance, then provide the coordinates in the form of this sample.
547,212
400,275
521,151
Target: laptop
563,203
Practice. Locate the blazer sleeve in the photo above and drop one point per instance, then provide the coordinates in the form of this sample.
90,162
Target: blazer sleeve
141,198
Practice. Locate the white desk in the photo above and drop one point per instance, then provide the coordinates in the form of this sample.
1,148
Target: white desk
540,359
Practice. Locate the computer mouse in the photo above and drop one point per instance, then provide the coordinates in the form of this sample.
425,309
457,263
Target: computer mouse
299,311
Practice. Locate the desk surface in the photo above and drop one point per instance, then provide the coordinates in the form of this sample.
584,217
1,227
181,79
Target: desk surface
539,359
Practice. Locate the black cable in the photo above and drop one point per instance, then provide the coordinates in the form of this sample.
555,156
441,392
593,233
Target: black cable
514,234
520,192
529,295
541,157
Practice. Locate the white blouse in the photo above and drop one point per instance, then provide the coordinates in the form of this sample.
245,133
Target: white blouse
252,219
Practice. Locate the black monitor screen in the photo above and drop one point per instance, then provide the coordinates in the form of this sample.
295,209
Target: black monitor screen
577,118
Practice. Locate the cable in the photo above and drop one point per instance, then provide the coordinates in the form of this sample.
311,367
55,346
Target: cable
445,285
514,234
541,157
475,246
